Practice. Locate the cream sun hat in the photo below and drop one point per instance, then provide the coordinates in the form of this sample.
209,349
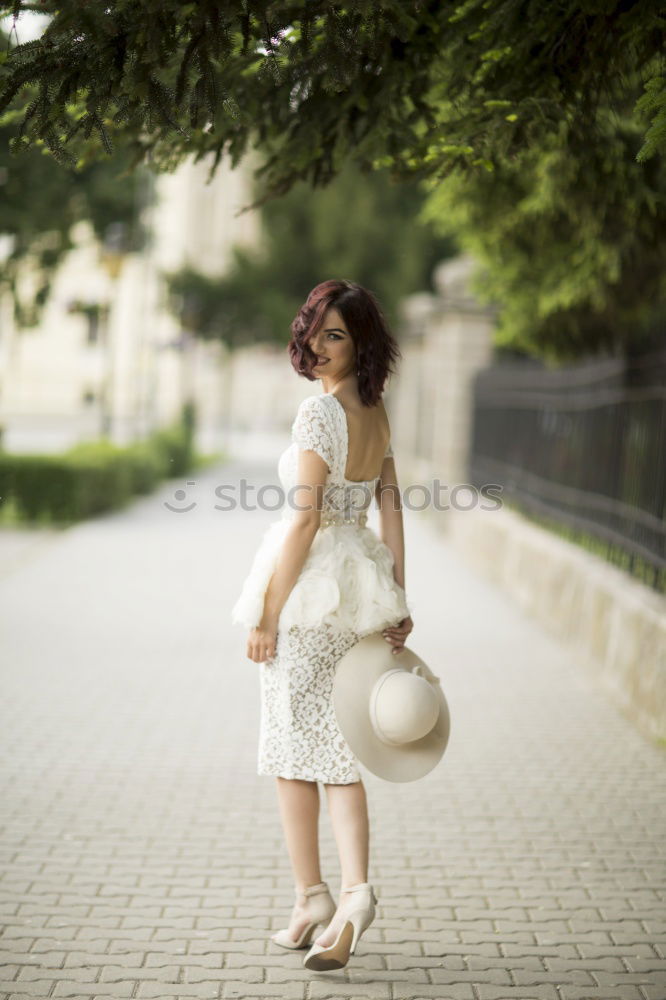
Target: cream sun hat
391,709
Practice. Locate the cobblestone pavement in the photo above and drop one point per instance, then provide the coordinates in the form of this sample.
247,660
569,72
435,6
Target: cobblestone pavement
142,856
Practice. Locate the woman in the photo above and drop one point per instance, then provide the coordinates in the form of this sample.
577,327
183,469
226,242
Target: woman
319,582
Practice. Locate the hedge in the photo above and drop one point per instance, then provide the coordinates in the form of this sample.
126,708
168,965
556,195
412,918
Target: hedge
93,476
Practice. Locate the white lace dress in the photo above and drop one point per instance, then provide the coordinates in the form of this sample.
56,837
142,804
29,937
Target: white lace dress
345,591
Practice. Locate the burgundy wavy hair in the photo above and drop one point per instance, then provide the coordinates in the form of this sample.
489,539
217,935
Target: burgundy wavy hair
376,348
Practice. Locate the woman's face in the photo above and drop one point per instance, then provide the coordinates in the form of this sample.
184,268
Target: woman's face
334,347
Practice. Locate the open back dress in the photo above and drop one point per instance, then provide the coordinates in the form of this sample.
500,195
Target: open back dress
345,590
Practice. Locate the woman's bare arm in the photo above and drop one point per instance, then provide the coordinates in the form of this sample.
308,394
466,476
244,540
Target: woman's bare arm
391,530
307,500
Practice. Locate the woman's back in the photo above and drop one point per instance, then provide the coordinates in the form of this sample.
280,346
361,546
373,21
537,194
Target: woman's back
368,435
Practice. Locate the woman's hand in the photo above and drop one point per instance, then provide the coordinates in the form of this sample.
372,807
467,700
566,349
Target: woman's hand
262,641
397,634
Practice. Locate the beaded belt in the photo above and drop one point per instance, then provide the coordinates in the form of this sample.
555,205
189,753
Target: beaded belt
328,519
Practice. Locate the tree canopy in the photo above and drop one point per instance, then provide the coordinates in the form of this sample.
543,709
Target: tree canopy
420,87
536,127
571,249
39,204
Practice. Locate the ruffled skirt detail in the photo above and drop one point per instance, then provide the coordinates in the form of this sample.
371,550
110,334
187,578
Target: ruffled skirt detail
346,581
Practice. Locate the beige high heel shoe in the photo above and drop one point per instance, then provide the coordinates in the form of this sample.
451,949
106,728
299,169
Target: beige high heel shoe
320,908
359,914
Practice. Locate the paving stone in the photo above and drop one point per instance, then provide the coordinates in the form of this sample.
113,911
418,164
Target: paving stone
40,987
546,991
454,991
264,990
69,989
624,992
372,990
165,989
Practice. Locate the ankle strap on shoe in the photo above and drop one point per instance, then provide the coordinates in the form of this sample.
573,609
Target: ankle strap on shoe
313,890
362,885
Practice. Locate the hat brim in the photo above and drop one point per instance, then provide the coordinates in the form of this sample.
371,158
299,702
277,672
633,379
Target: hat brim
355,676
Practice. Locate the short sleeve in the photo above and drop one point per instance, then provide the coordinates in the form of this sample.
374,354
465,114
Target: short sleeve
389,451
311,429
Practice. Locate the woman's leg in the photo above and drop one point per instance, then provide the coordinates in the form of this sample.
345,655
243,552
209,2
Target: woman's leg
348,809
299,809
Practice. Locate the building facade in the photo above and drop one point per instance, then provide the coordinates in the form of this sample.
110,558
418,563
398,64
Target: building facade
108,356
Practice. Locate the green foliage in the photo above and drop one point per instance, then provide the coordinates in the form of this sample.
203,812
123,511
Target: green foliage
93,476
418,86
570,239
39,204
201,303
146,465
652,105
362,226
174,447
536,126
189,420
37,485
100,480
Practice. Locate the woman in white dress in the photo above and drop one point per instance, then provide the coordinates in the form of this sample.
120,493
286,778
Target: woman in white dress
321,580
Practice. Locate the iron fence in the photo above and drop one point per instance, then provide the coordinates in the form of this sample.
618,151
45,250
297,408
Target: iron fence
581,448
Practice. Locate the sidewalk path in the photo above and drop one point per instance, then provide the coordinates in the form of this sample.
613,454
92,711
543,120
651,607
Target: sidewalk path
142,856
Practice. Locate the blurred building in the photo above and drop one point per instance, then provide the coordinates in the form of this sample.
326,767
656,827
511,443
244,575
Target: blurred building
108,357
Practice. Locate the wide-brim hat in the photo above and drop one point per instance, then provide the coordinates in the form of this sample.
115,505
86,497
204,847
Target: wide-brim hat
391,709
